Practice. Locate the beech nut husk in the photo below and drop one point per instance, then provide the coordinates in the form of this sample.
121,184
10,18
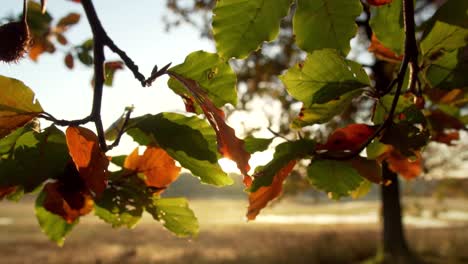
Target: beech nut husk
15,41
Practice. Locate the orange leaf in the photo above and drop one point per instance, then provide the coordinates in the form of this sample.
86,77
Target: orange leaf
406,167
382,52
36,50
68,204
229,145
350,137
158,167
89,160
379,2
259,199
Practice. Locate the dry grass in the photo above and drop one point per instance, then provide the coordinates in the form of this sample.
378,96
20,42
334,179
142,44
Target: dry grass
228,241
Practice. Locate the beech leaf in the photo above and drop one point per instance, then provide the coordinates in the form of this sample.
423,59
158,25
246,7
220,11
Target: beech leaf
323,24
263,195
18,105
350,138
158,167
70,205
175,215
54,226
90,161
338,178
239,27
229,145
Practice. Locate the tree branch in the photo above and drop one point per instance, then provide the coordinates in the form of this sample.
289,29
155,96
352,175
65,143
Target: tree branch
410,59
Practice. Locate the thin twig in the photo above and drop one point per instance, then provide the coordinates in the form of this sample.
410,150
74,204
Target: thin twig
276,134
121,130
62,122
127,60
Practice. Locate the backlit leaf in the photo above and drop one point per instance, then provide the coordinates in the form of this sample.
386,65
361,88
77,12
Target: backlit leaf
382,52
239,27
213,75
350,138
90,161
18,105
175,215
408,167
189,140
229,145
54,226
338,178
122,203
444,37
326,24
253,144
158,167
35,157
387,25
284,153
70,205
449,70
322,113
324,76
447,29
259,198
362,190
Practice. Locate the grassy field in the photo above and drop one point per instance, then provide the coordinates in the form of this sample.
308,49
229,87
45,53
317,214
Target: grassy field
225,237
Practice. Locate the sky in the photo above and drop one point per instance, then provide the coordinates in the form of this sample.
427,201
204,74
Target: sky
139,30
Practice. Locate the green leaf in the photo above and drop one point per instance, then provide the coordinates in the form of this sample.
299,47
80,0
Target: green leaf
239,26
375,149
119,160
122,205
322,113
189,140
7,143
110,68
452,12
324,76
448,71
443,37
383,106
36,157
284,153
363,189
388,26
212,74
17,105
253,144
175,215
38,22
337,178
54,226
323,24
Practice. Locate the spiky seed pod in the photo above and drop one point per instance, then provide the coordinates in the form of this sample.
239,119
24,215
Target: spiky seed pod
15,41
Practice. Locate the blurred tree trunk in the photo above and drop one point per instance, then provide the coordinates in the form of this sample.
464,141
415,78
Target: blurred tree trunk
394,245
